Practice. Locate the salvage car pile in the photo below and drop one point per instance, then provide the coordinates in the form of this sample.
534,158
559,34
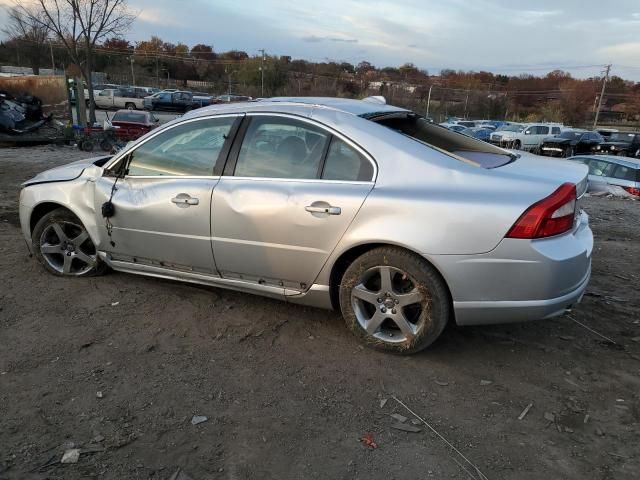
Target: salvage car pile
20,114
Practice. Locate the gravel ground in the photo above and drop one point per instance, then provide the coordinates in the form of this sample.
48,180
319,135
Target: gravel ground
118,365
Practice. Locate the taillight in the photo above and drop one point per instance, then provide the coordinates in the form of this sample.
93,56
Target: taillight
550,216
633,191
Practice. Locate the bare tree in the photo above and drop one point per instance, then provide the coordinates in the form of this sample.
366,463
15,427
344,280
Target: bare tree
80,25
31,35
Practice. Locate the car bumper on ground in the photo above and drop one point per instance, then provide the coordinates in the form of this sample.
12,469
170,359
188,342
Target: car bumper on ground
520,280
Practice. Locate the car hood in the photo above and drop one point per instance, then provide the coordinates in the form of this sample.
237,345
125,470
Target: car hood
557,140
67,172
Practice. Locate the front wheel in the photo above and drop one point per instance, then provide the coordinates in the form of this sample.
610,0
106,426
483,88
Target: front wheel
517,145
61,243
130,106
394,300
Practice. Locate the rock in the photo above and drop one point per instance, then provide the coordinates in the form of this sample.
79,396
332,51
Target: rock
398,417
442,384
485,382
115,304
599,432
197,419
99,394
549,416
71,456
383,402
405,427
98,439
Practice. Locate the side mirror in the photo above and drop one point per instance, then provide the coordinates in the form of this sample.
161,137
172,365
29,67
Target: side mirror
527,132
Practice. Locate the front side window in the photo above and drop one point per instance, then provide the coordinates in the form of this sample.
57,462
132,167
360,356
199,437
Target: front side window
191,148
277,147
345,163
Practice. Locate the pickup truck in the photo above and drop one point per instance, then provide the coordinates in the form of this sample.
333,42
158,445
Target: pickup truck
118,98
179,101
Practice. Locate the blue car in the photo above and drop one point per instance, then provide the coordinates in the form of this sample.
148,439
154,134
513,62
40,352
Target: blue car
478,132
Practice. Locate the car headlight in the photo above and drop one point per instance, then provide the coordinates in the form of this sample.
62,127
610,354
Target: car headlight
598,147
613,147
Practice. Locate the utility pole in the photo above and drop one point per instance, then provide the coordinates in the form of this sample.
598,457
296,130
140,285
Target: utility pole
428,100
604,84
157,72
262,73
53,63
466,102
133,75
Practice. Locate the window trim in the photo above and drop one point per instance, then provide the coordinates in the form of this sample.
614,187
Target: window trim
222,156
232,158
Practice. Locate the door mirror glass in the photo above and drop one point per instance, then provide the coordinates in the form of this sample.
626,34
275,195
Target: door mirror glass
278,147
191,148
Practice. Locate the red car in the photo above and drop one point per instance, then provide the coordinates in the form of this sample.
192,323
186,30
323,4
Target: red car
132,124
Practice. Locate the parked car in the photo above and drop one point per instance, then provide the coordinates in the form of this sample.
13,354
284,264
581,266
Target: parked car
330,202
201,99
607,132
480,133
571,142
118,98
626,144
131,125
232,98
528,136
619,176
177,101
454,126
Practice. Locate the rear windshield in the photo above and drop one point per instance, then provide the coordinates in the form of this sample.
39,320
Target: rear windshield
621,137
464,147
571,134
130,117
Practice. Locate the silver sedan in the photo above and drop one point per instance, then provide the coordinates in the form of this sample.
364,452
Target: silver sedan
355,205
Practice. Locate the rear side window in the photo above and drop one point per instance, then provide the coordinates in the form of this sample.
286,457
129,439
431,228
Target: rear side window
555,130
346,163
626,173
600,168
278,147
188,149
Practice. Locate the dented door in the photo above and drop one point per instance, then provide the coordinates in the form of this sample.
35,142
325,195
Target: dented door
280,232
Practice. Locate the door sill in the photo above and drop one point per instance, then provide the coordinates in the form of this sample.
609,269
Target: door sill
191,277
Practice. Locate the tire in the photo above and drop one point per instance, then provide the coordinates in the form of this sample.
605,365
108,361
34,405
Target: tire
517,145
61,228
130,106
87,145
106,145
417,299
568,152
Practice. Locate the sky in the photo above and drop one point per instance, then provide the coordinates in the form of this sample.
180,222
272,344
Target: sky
502,36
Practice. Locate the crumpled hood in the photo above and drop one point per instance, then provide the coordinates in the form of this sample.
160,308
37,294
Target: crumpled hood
66,172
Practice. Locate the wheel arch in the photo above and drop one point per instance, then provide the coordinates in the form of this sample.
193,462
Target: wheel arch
345,259
41,210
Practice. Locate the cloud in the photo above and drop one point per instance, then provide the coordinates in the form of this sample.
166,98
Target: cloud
317,39
628,52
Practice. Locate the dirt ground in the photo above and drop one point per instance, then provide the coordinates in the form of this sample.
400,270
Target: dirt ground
288,393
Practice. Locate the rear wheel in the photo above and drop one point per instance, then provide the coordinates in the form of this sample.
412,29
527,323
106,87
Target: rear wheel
517,145
130,106
393,300
569,152
61,243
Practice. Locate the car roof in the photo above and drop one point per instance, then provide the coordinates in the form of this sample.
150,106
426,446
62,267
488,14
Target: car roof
629,161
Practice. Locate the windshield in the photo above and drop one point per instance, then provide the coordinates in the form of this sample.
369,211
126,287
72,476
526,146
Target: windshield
460,146
622,137
510,128
570,134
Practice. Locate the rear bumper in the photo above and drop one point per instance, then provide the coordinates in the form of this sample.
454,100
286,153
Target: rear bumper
487,312
519,280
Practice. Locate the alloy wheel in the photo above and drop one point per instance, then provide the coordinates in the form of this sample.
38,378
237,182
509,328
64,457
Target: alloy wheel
388,304
67,248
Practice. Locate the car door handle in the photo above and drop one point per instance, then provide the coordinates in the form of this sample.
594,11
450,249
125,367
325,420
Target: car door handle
184,200
328,210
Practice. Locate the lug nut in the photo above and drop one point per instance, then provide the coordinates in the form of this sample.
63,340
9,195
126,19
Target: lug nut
393,311
379,300
383,310
397,301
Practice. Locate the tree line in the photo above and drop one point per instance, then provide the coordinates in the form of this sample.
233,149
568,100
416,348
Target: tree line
90,34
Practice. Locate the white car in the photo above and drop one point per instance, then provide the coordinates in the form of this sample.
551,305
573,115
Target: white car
526,136
118,98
